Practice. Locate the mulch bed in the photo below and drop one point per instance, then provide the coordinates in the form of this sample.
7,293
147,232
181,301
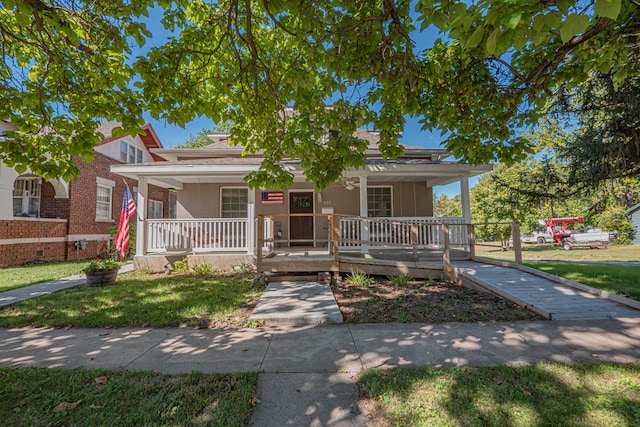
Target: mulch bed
423,302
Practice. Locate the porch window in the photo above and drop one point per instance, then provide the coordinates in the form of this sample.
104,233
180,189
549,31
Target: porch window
234,203
103,202
26,196
173,204
155,209
379,202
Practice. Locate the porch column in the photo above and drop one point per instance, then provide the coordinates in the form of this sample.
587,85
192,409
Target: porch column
141,207
7,178
252,238
364,212
465,199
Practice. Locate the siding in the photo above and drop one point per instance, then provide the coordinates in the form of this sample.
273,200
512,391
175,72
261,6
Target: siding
635,221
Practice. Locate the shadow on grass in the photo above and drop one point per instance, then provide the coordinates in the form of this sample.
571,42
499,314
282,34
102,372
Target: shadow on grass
543,394
137,300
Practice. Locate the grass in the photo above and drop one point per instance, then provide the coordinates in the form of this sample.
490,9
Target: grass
18,277
615,279
549,251
35,397
142,300
589,394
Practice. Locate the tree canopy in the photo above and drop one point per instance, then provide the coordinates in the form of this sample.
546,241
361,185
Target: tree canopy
285,72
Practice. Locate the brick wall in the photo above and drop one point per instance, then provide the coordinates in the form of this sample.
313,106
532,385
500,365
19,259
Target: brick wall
50,207
83,192
18,252
80,211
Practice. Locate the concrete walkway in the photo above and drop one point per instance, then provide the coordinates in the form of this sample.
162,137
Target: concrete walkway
308,373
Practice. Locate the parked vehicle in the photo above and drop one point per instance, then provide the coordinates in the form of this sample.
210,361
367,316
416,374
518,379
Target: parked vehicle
564,234
538,236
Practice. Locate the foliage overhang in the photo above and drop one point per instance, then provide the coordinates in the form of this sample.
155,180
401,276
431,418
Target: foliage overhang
497,67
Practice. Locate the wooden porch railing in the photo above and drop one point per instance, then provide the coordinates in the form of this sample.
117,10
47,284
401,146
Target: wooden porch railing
403,231
210,234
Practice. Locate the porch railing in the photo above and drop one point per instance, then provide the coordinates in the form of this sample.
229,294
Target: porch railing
211,234
391,232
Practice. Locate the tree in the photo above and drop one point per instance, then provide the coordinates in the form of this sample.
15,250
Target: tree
64,67
607,143
202,139
287,72
447,207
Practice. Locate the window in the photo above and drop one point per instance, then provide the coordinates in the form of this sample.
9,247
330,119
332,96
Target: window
379,201
234,203
130,153
124,151
26,196
155,209
103,202
173,204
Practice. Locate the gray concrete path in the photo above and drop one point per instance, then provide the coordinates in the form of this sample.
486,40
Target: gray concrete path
297,303
308,373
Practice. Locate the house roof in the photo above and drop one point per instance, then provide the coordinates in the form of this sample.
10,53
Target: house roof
633,209
149,137
220,162
221,147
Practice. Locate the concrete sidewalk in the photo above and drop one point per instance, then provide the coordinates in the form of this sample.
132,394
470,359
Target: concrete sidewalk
308,373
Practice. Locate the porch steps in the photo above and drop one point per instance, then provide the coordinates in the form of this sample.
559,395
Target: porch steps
551,297
302,302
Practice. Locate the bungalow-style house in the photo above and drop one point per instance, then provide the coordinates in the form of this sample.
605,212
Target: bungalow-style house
221,222
53,220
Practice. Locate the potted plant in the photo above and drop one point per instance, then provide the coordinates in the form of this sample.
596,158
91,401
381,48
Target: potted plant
101,271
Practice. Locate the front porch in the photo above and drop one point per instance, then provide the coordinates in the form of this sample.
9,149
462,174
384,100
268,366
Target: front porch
418,246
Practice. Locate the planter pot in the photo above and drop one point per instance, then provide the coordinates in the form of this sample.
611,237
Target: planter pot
101,278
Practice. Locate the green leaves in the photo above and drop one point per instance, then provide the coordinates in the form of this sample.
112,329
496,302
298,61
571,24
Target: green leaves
608,8
285,73
574,24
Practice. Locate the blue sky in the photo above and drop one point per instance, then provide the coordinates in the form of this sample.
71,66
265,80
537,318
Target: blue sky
171,135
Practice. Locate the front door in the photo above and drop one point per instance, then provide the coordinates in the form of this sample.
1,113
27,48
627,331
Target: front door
301,227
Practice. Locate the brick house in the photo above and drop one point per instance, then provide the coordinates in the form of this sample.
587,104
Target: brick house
55,220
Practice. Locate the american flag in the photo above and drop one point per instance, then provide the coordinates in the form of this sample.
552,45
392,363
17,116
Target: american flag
122,235
272,197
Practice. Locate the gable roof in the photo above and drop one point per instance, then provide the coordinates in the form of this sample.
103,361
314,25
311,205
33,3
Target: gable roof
149,137
221,147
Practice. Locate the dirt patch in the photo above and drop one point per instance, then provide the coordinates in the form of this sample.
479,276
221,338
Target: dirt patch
423,302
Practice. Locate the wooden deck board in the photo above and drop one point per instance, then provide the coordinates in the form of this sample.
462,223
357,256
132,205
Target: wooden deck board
559,300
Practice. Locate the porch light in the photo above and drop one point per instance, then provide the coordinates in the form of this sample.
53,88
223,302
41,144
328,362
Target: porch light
319,196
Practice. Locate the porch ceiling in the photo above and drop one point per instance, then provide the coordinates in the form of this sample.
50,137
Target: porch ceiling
175,176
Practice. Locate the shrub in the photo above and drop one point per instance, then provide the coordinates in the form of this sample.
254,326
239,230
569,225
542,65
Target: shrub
202,269
614,218
243,267
99,265
181,266
400,280
360,279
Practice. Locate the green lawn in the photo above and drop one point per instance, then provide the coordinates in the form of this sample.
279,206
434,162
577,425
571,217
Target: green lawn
18,277
57,397
555,252
142,300
593,394
615,279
